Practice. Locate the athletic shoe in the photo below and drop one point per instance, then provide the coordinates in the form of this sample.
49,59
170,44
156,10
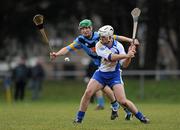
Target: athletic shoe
77,121
99,107
114,115
145,120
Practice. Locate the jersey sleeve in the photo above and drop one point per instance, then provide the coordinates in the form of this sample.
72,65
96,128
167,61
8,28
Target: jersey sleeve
103,51
115,37
74,46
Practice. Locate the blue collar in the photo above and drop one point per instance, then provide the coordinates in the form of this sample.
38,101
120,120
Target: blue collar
113,44
92,35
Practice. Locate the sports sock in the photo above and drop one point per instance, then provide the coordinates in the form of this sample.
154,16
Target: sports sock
100,101
115,106
127,111
139,115
80,115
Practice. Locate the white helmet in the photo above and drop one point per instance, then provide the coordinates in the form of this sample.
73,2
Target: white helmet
106,31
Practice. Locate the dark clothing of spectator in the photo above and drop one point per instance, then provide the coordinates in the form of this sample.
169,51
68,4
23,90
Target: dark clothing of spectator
37,76
20,76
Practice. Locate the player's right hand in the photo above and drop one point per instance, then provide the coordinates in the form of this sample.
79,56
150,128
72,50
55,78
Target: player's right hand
132,48
131,54
53,55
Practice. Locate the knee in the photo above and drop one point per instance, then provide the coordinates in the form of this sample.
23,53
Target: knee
123,102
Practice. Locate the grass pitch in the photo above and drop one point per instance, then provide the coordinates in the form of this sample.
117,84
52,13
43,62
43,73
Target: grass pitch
60,101
59,116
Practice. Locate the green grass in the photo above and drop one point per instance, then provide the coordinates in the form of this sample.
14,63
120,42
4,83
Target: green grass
59,116
60,101
70,90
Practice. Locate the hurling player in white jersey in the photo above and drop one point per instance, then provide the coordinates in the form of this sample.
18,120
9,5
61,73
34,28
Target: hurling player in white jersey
87,41
113,57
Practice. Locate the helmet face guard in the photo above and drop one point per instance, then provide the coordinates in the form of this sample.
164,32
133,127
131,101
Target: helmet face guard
106,31
85,23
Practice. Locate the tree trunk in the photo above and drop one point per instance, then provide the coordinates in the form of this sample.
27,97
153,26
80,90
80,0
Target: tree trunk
152,34
177,28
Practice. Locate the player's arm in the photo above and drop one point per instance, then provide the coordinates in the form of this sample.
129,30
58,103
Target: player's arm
117,57
62,52
73,46
127,61
125,39
104,52
122,56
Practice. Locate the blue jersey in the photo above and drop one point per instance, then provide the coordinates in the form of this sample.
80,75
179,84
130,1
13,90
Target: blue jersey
88,45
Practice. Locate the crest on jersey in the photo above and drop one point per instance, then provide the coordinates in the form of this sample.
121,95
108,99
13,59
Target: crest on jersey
102,48
86,44
115,50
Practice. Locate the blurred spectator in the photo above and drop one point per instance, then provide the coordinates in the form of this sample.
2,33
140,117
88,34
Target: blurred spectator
37,77
20,77
7,87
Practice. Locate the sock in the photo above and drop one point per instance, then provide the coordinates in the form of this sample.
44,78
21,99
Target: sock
139,115
115,106
80,115
127,111
100,101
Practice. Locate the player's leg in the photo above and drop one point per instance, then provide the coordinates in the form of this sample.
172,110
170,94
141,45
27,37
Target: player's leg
109,93
100,100
92,87
114,104
98,96
121,97
128,115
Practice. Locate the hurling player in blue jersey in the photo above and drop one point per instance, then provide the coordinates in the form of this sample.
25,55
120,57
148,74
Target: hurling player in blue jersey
113,57
87,41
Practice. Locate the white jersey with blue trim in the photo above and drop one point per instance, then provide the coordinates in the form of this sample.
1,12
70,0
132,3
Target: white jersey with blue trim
105,53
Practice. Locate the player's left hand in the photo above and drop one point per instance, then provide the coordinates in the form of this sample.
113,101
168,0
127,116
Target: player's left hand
132,48
53,55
